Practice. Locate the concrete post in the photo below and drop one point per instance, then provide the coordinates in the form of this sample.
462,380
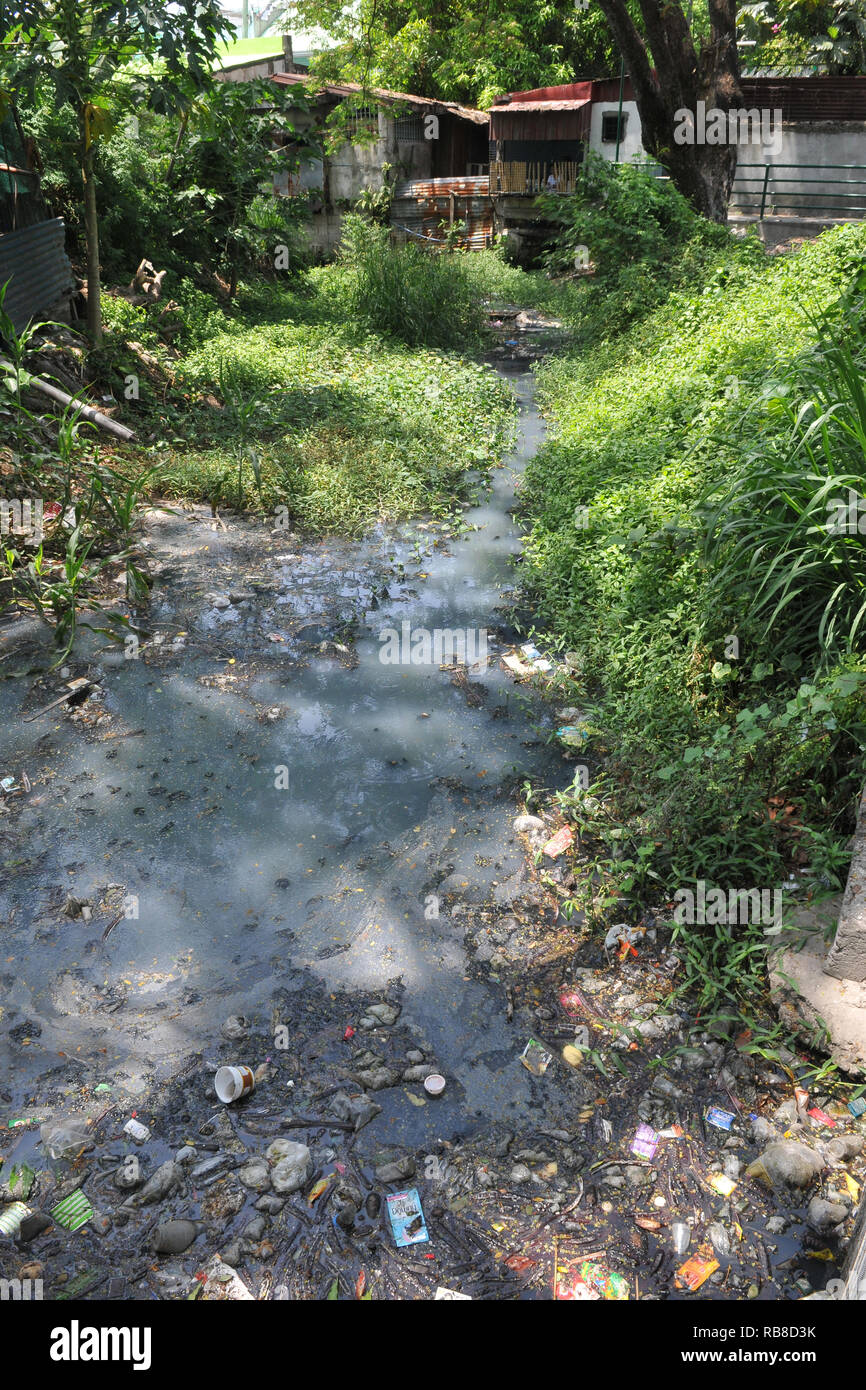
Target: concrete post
847,957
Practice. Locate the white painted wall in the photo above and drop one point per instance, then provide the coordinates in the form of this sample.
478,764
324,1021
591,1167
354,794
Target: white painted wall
630,146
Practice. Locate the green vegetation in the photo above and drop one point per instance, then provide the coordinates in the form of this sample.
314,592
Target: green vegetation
683,546
291,402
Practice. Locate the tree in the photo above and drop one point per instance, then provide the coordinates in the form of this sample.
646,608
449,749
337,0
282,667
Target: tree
671,76
459,50
828,35
99,57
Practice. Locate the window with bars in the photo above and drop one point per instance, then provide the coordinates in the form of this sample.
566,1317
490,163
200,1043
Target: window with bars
362,120
410,129
613,127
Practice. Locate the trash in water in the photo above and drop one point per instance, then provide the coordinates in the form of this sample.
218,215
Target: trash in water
11,1218
73,1211
721,1184
19,1180
645,1142
604,1281
697,1270
65,1139
560,842
139,1132
722,1119
681,1235
821,1117
8,784
857,1107
434,1084
448,1295
406,1217
349,1033
573,734
535,1058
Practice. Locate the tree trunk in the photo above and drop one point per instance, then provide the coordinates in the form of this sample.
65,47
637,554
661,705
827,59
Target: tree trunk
91,236
678,79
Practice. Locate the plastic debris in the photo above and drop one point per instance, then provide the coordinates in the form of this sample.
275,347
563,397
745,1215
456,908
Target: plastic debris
11,1218
559,842
821,1117
645,1142
18,1180
406,1217
681,1235
450,1296
535,1058
66,1139
573,734
697,1270
857,1107
723,1185
722,1119
73,1212
603,1281
136,1131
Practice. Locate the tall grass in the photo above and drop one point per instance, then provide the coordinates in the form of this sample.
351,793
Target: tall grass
419,297
785,536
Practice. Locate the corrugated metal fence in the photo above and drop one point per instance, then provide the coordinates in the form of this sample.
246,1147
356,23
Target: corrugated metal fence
421,205
34,262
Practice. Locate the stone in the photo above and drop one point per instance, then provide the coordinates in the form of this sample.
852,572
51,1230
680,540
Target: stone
173,1237
418,1073
415,1057
520,1173
825,1216
235,1028
572,1055
255,1229
255,1175
384,1013
844,1146
396,1169
167,1179
186,1155
378,1078
293,1169
787,1161
270,1204
357,1110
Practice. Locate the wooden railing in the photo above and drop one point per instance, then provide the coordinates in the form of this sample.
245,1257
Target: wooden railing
532,177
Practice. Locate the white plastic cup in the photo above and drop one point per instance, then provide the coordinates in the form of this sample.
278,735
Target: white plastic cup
434,1084
231,1083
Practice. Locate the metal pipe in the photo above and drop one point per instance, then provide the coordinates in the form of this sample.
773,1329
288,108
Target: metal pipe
619,113
87,411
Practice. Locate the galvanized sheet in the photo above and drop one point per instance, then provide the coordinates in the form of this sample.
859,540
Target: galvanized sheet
420,205
34,261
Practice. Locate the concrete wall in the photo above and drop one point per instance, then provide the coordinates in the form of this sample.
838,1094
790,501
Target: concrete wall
821,143
631,145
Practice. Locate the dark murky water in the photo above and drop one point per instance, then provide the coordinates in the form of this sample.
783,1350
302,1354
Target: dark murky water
397,778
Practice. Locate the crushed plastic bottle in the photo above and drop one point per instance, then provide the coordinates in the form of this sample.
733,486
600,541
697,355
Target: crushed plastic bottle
681,1235
66,1138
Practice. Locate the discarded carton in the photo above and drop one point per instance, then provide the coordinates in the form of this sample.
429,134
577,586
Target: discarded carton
406,1217
722,1119
697,1269
559,842
645,1142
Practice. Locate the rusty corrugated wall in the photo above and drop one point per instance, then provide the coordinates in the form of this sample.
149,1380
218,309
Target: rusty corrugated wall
420,205
34,262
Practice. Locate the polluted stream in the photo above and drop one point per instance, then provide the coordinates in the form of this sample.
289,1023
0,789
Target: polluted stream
267,836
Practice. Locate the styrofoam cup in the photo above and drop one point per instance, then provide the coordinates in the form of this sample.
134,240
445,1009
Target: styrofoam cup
231,1083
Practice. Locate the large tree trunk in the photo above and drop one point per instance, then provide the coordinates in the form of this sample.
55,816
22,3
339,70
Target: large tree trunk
91,236
668,76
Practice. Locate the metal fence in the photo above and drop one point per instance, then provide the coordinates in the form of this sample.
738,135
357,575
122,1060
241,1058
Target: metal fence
820,190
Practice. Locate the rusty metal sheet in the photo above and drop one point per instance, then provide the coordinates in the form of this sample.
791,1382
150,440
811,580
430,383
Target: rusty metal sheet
34,261
419,205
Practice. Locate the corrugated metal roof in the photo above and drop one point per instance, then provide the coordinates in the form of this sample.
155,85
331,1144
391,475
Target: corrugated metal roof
518,106
34,261
476,185
352,89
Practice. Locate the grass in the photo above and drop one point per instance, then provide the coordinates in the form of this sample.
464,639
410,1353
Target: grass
290,403
729,748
